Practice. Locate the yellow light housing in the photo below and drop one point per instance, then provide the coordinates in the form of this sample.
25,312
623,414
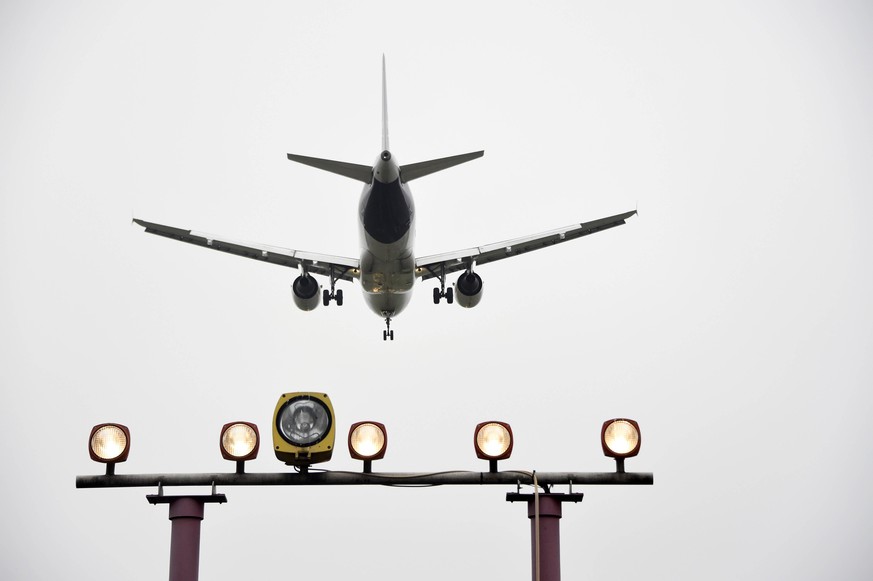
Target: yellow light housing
239,441
493,442
620,438
304,428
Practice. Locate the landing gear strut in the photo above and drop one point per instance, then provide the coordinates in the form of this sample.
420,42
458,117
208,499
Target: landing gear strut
336,295
439,293
387,333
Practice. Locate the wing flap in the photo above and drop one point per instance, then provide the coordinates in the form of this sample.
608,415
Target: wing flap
343,268
431,266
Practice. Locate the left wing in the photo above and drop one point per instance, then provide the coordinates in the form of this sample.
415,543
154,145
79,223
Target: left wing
339,267
434,266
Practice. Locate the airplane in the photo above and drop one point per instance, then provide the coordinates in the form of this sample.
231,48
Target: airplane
387,268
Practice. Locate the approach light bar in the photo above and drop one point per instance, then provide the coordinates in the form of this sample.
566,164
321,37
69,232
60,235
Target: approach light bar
493,442
109,444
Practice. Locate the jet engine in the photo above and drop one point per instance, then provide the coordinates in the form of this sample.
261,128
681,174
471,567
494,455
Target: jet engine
468,290
306,293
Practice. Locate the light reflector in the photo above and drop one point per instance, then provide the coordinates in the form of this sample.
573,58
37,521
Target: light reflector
304,421
367,441
239,441
493,440
109,443
620,438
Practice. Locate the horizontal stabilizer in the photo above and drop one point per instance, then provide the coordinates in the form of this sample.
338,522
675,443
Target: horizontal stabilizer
362,173
423,168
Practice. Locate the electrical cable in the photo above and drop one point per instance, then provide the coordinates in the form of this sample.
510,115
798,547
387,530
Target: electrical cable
536,527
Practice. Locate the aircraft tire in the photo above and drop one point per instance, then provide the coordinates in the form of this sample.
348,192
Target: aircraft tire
339,298
436,296
325,297
450,295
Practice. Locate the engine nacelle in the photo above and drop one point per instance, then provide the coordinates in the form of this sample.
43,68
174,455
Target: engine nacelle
306,295
468,290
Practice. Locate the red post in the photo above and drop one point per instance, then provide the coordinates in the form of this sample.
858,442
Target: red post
549,557
544,512
186,512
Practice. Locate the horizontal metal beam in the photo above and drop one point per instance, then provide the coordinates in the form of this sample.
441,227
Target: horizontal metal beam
450,478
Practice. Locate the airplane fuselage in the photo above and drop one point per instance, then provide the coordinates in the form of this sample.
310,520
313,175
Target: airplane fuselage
387,232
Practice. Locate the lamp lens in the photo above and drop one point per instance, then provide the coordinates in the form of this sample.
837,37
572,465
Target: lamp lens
239,440
303,421
621,437
493,439
367,440
108,442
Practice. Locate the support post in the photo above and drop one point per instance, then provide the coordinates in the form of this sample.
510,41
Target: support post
186,512
544,512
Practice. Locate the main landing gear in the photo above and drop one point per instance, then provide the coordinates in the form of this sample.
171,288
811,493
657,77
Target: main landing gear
448,293
327,296
443,292
387,333
332,294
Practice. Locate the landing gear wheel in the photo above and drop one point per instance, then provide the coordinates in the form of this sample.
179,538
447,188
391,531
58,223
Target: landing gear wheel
436,296
387,333
339,298
325,297
450,295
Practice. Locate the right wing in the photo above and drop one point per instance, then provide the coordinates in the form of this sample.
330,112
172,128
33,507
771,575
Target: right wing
339,267
433,266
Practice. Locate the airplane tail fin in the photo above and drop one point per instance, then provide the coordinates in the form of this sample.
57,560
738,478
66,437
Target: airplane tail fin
416,170
384,108
364,173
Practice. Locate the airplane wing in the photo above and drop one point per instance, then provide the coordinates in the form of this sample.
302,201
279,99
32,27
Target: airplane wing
314,263
432,266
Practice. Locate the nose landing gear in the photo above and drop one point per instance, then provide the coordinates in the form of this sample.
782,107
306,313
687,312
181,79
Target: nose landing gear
387,333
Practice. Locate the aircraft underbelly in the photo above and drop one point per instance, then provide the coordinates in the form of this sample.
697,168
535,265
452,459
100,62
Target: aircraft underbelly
387,276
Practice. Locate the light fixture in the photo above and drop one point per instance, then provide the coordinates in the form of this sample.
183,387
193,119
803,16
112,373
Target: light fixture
493,442
303,429
239,442
620,439
367,441
109,444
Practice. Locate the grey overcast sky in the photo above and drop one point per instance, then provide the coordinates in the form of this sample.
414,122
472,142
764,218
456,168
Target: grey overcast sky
732,318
